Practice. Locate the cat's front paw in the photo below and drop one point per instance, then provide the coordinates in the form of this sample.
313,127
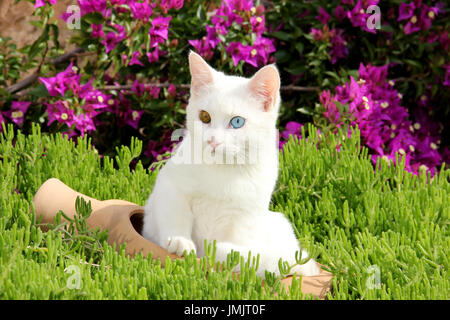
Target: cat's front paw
311,268
179,244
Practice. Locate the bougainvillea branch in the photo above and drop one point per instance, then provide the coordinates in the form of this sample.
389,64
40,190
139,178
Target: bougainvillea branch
32,78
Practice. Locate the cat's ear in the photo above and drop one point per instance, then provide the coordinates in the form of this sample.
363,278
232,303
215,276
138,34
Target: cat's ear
201,73
265,84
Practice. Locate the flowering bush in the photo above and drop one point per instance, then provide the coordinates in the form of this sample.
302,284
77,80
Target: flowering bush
385,125
383,66
391,80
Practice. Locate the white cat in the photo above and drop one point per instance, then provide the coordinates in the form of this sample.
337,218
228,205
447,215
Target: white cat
215,187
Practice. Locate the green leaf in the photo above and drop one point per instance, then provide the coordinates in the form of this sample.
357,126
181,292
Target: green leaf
297,69
306,110
299,47
282,35
39,91
94,18
282,56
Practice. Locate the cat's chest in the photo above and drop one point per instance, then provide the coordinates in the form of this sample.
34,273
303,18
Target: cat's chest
219,220
224,184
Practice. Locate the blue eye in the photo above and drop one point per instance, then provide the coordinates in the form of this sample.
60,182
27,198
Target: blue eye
237,122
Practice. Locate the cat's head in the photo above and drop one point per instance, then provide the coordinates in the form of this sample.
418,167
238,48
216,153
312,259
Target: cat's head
235,116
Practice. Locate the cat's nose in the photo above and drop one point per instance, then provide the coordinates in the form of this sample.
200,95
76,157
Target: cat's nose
213,143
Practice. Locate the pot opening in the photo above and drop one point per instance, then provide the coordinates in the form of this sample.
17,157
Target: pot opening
137,221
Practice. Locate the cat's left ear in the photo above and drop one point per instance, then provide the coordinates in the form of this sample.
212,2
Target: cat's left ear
201,73
265,84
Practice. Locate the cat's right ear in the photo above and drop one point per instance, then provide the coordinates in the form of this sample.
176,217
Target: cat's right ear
201,73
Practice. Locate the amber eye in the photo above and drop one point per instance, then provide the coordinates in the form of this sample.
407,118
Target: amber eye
205,117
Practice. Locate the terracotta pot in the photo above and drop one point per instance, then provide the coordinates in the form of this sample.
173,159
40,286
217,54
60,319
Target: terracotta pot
124,221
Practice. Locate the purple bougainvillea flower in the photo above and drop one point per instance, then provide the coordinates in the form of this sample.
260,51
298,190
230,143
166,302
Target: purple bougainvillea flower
52,86
338,45
97,31
153,56
17,112
252,57
166,5
95,102
156,149
316,33
258,24
135,59
238,51
60,112
292,128
427,15
417,20
41,3
84,123
375,75
142,11
358,16
412,25
58,85
447,75
340,13
332,112
211,37
2,119
119,2
151,146
84,90
159,32
405,11
112,39
323,16
240,5
264,47
100,6
227,14
132,117
138,88
203,47
172,90
219,21
154,91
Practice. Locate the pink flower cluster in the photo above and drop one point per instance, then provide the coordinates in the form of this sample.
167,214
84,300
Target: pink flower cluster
418,15
86,104
156,149
243,15
292,128
335,36
16,114
385,125
142,11
359,16
338,44
41,3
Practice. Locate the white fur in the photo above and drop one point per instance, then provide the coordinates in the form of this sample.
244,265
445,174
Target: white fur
228,203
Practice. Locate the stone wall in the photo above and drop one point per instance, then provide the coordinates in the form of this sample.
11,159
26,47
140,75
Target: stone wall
15,18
